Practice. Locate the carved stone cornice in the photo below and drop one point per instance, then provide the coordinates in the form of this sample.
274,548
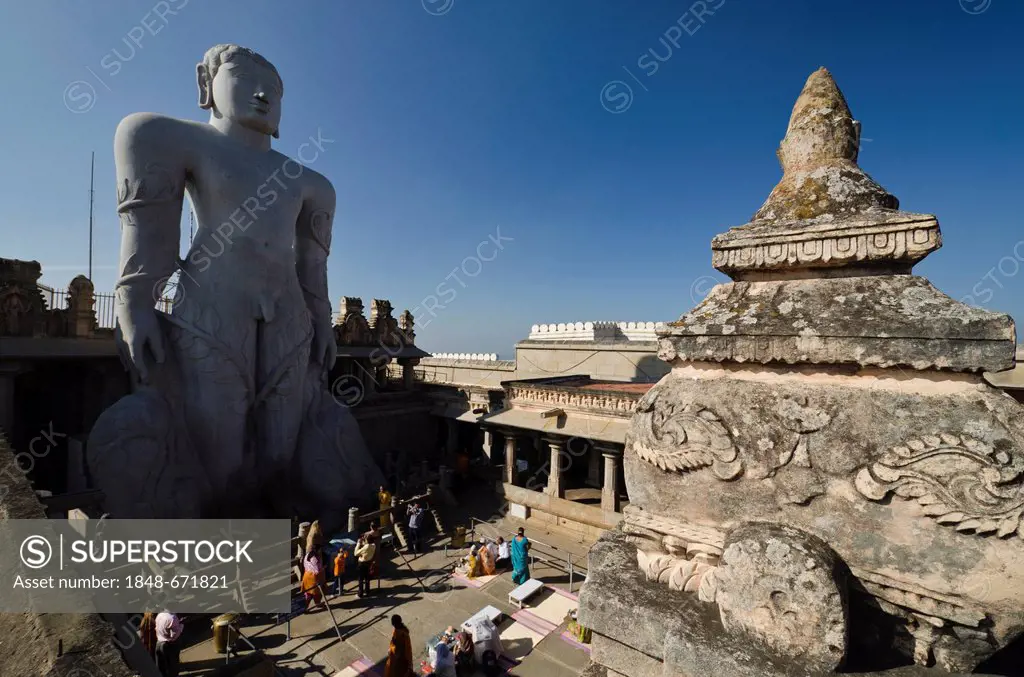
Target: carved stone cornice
599,401
896,240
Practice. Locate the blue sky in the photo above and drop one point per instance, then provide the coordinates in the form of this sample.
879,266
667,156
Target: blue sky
455,120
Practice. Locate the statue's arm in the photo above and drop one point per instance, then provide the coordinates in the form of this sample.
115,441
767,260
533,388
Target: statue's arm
312,246
149,156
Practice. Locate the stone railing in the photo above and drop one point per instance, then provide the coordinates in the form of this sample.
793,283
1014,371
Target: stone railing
595,331
615,403
464,357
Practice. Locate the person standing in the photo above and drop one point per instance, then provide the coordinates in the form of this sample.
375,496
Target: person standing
314,574
365,552
415,513
384,500
400,652
340,564
520,558
168,652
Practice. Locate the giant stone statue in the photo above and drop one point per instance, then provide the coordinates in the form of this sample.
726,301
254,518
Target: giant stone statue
824,482
231,415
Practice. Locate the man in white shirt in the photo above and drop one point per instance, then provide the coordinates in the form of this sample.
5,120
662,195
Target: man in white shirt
415,513
168,630
365,552
504,556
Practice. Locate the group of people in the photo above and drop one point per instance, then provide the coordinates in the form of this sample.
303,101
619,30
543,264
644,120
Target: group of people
159,634
488,557
454,655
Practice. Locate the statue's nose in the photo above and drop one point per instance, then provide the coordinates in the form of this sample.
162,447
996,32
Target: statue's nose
262,97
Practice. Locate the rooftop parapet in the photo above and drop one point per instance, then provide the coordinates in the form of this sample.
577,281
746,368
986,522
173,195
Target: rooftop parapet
595,331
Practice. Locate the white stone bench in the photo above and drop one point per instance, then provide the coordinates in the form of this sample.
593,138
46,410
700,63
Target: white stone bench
490,613
525,592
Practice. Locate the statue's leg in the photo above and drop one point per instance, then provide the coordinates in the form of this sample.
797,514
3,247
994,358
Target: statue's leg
283,346
215,351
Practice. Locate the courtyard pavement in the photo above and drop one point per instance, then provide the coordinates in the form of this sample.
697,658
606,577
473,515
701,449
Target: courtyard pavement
422,590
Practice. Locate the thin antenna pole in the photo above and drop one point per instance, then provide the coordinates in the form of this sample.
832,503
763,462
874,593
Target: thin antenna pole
191,223
92,183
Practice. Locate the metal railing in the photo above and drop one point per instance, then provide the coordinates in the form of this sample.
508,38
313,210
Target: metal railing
104,306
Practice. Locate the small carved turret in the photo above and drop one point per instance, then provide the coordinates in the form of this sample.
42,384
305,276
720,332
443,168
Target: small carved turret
407,325
80,315
352,328
383,325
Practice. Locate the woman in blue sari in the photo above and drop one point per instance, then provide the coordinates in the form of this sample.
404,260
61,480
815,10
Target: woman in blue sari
520,558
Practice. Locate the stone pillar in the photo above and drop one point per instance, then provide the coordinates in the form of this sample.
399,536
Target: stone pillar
366,374
555,485
510,459
447,477
452,445
594,467
610,490
489,445
408,374
353,519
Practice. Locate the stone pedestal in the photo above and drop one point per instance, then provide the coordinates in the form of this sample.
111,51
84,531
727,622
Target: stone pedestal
824,478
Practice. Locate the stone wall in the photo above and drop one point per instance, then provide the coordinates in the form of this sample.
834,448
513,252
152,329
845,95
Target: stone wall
618,361
469,371
87,638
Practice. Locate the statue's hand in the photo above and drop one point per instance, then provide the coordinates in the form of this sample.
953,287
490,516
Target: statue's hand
140,328
325,350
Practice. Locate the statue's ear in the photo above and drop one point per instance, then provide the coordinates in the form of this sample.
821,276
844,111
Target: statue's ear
277,134
205,84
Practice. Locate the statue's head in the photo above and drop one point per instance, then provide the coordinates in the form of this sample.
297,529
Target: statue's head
241,86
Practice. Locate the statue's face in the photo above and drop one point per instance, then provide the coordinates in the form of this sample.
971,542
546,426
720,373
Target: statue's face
248,93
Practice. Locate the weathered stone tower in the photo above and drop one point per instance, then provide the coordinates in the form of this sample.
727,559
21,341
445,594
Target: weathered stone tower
824,477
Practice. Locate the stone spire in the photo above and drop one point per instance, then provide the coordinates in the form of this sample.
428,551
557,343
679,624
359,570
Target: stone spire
826,212
823,271
819,160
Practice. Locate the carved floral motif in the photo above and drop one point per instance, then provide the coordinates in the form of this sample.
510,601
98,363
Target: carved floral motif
682,438
960,482
679,574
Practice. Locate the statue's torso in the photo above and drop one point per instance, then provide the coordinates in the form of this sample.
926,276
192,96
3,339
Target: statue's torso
247,204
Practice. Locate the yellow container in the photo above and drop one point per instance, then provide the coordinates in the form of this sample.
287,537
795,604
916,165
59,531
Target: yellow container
224,633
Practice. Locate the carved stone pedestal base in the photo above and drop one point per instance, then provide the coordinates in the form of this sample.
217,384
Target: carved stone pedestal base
641,628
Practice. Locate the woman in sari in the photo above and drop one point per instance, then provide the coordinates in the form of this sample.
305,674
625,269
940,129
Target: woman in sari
313,576
400,652
486,555
520,558
147,633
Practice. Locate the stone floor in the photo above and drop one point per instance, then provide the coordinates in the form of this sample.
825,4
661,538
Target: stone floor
429,599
